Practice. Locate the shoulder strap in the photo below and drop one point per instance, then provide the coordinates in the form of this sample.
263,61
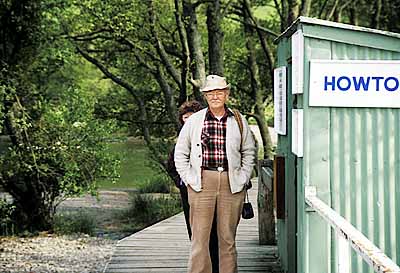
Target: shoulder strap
238,118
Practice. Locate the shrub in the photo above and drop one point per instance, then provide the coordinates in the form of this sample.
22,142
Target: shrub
157,184
71,223
63,154
147,210
6,222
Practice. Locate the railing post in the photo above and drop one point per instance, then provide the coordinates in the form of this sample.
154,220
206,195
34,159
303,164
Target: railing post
343,254
266,219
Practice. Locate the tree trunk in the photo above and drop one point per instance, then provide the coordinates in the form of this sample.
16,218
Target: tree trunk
158,45
185,54
197,65
375,20
305,7
293,11
256,86
263,127
264,45
33,213
34,201
354,15
332,11
15,136
215,39
169,98
144,122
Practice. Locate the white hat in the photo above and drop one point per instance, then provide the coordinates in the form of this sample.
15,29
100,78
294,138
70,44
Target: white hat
214,82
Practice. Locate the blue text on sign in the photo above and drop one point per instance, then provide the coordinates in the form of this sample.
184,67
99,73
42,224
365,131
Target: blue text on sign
345,83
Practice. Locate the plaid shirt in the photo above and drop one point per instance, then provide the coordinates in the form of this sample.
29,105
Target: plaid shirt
213,138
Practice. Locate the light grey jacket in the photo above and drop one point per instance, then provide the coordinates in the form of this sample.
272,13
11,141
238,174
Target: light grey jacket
188,152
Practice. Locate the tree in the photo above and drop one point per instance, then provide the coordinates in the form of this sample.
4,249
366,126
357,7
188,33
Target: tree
56,147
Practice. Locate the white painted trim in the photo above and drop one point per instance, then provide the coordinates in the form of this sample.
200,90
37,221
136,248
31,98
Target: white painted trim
297,62
297,132
364,247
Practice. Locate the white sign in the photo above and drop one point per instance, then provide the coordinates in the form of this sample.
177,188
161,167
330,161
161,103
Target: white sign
280,100
297,132
297,62
355,83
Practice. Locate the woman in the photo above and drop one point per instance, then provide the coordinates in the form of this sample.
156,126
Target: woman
184,112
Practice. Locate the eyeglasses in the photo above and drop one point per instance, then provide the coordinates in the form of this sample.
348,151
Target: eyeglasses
212,94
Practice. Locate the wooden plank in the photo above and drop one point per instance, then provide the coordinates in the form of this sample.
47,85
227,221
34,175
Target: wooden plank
164,247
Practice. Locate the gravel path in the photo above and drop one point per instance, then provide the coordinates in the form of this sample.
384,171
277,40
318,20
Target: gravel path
50,253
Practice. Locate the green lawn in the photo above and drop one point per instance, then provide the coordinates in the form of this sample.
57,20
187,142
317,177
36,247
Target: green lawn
134,165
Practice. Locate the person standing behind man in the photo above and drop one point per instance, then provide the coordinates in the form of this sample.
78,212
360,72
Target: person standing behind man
215,162
187,109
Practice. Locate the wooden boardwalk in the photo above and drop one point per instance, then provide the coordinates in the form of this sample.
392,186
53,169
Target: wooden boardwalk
164,247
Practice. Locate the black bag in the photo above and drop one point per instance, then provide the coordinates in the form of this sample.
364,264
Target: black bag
247,212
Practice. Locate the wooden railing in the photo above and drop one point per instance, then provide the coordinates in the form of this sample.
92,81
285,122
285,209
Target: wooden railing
266,218
348,234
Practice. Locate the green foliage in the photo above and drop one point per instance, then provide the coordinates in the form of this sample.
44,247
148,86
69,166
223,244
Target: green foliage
61,154
157,184
148,210
70,223
269,114
135,170
6,222
158,152
66,146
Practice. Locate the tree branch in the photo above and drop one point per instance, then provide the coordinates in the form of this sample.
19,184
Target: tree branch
322,9
225,10
90,34
141,104
199,2
108,74
185,58
279,10
305,7
332,11
257,27
160,48
266,50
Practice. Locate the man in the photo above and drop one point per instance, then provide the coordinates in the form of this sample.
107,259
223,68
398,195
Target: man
215,165
187,109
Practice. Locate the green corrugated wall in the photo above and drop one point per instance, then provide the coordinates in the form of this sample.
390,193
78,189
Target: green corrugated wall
352,156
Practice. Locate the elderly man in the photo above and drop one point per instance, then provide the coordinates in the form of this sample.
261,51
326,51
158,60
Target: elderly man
215,165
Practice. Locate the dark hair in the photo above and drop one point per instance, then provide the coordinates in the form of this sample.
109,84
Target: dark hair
188,107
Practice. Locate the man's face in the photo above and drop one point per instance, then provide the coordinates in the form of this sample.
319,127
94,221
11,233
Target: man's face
216,98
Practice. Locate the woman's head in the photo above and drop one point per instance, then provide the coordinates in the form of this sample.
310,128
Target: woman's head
187,109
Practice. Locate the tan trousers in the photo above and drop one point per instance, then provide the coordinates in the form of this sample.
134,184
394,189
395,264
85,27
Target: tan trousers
216,194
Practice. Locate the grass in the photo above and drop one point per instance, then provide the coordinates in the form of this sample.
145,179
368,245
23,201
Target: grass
146,210
78,222
135,171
